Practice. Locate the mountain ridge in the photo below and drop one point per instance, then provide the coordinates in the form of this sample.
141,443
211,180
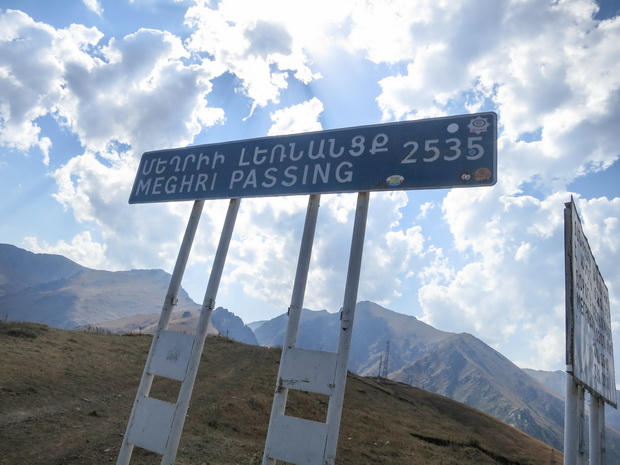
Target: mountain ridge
473,379
53,290
28,269
90,297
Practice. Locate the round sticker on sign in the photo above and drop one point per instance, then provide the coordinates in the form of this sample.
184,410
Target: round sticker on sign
395,180
483,174
466,176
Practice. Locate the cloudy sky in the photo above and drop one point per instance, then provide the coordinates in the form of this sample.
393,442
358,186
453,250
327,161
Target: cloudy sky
87,86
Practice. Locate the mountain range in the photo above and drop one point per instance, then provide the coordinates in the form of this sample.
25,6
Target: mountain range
458,366
53,290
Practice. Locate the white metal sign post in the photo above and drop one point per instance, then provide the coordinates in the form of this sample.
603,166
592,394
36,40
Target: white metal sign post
275,437
297,440
457,151
589,347
154,424
148,374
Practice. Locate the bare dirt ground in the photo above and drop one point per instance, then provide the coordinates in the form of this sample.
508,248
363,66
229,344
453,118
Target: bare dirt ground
65,398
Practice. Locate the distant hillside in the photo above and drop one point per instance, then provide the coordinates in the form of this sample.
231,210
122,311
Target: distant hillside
53,290
89,297
222,322
65,397
465,369
231,326
374,326
556,381
20,269
182,321
458,366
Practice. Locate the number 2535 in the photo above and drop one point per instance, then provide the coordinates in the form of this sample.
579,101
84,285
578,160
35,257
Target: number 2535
431,151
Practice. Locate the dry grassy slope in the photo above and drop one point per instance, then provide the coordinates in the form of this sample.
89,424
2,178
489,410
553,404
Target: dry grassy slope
65,398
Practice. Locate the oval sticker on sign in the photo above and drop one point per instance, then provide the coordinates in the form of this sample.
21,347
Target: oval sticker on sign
395,180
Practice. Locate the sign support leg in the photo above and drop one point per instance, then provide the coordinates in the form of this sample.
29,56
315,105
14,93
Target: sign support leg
570,422
297,440
334,411
595,434
602,435
170,301
294,312
301,275
582,459
187,387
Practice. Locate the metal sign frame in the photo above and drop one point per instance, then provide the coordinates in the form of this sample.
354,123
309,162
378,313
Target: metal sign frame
459,151
455,151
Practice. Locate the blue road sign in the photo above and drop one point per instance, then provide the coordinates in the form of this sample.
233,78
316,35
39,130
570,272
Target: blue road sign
455,151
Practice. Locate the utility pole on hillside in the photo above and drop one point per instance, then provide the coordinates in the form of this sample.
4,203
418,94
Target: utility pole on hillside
386,361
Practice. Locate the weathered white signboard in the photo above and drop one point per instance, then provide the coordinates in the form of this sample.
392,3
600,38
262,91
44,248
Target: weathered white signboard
588,322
